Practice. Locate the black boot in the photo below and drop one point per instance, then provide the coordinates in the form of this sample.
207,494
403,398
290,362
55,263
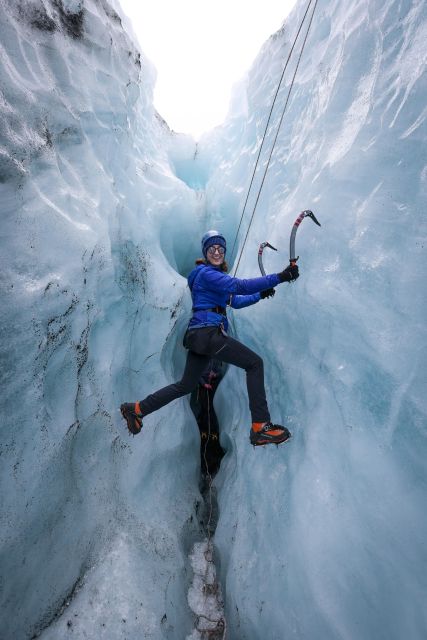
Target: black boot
133,416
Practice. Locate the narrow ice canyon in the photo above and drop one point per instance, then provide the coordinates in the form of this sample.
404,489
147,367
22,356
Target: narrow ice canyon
102,211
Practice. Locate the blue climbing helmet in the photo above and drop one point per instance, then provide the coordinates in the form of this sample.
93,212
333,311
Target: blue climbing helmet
212,237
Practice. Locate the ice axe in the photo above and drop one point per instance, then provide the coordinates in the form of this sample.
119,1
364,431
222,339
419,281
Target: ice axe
292,257
260,251
304,214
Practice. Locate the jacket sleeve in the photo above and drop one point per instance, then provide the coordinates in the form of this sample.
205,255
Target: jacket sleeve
222,282
238,302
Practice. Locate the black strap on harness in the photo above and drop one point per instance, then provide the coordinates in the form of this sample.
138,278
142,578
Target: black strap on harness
220,310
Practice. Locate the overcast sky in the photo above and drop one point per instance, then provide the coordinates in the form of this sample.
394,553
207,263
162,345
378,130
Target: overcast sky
200,48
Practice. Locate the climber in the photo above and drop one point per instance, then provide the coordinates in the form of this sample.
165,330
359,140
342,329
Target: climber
201,403
206,337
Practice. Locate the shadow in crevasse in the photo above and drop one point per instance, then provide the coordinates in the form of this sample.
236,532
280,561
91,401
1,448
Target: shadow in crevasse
201,403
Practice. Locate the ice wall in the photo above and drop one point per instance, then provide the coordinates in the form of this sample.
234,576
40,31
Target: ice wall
102,210
94,532
325,538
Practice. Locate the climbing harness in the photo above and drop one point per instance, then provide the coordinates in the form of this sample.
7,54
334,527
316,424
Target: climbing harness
310,3
220,310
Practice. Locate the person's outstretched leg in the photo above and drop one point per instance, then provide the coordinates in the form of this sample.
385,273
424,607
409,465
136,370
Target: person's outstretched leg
133,412
194,368
234,352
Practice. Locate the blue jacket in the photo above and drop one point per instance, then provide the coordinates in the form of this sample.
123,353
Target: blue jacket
210,287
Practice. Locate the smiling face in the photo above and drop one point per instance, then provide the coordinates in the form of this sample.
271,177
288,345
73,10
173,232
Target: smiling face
215,255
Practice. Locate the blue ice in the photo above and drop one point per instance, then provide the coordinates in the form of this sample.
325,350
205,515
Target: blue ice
102,209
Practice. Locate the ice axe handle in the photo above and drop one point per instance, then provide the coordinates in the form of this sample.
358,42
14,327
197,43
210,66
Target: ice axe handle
260,251
304,214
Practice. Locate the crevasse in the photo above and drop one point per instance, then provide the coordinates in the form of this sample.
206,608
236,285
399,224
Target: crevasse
102,211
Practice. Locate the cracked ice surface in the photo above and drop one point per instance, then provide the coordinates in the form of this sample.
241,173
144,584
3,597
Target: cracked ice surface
204,596
102,211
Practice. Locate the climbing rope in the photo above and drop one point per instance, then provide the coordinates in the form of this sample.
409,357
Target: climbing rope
278,128
221,623
268,122
210,479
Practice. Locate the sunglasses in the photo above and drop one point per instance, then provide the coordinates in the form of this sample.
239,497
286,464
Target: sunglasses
212,250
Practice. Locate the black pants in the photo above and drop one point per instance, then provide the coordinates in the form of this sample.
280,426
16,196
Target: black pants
206,343
211,452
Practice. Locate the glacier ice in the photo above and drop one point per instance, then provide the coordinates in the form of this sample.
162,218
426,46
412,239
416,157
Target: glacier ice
102,211
204,596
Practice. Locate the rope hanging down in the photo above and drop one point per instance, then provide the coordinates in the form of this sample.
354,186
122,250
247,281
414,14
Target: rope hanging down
278,128
210,479
268,122
220,625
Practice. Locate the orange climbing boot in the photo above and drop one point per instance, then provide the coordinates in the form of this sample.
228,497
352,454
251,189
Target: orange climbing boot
133,416
267,433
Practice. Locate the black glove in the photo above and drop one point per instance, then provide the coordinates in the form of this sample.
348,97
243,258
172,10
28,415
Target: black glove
267,293
289,274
